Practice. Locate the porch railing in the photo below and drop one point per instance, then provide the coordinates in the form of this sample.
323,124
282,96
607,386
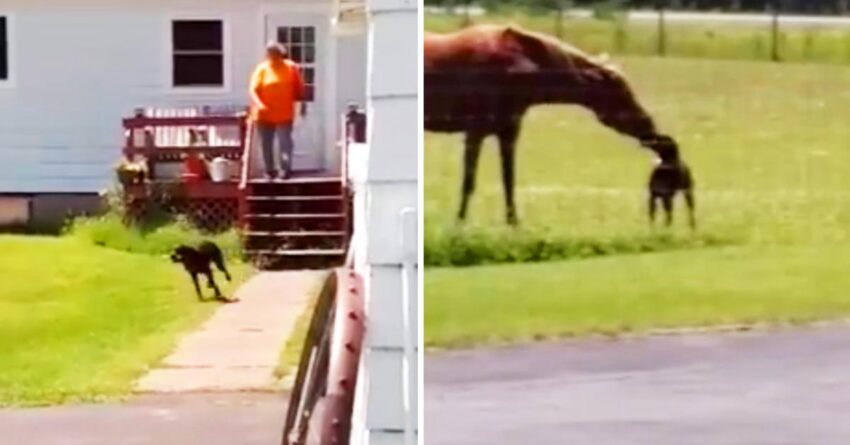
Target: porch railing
245,170
321,405
167,134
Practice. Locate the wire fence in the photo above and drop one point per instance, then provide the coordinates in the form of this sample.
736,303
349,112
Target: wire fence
779,31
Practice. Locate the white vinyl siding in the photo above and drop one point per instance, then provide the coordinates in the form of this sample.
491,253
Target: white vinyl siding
77,67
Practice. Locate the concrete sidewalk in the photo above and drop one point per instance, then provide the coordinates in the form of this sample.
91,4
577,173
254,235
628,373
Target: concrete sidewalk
238,348
177,419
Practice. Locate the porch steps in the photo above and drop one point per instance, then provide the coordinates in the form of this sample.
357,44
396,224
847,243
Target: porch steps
299,223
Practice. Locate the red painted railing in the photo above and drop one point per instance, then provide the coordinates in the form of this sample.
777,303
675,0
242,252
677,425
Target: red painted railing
167,133
321,405
245,170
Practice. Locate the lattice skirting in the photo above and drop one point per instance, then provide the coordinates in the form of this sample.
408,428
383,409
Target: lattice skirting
209,214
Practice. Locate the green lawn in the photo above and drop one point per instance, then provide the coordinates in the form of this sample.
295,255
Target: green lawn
80,322
768,146
633,293
698,40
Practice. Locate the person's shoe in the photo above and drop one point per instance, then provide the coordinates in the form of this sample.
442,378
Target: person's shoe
270,176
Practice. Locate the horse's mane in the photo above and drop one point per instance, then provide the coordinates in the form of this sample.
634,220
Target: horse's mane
568,53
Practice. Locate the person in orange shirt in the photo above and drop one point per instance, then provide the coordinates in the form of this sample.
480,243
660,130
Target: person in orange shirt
276,86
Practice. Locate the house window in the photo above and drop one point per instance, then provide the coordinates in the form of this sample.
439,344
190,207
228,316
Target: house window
4,49
198,53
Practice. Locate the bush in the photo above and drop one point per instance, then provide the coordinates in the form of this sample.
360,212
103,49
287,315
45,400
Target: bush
159,234
160,239
459,247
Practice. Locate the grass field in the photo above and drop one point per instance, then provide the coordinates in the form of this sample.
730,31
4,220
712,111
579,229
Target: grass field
80,322
708,40
768,146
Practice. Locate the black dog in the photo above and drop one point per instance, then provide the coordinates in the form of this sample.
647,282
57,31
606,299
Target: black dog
668,178
198,261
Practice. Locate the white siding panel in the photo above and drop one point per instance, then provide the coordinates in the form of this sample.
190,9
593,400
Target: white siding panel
385,408
398,53
385,308
386,438
385,202
393,126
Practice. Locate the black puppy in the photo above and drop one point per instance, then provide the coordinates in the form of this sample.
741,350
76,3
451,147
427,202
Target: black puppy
668,178
198,261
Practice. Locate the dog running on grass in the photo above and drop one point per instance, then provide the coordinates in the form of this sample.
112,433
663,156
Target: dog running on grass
669,177
199,261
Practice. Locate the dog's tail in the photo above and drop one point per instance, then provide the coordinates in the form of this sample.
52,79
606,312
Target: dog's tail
218,259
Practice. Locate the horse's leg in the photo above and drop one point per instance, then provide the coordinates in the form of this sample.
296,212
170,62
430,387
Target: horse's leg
507,145
653,205
667,202
470,166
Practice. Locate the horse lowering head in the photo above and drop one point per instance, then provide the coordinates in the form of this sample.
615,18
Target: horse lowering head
559,73
664,146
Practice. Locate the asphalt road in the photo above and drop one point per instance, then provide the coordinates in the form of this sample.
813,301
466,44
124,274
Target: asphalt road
243,419
779,388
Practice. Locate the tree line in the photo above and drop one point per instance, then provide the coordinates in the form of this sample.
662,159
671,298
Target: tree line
788,6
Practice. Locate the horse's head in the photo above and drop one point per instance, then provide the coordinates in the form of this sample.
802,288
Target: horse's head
560,73
664,146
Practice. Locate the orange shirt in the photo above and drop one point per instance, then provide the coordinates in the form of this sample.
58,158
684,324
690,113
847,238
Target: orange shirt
279,86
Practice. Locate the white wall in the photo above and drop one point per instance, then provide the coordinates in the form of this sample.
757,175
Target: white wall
351,52
390,185
81,65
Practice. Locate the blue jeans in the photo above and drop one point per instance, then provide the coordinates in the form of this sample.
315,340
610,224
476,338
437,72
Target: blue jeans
284,138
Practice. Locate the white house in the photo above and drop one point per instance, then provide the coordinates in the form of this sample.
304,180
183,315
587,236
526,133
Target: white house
385,242
70,70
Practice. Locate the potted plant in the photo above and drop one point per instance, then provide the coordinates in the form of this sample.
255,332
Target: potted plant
130,173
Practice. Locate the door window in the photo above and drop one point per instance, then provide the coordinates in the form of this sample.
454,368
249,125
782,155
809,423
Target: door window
301,43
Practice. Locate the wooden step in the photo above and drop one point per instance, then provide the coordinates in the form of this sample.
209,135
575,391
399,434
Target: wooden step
295,216
295,240
304,180
294,222
296,187
319,204
298,253
303,233
294,198
297,259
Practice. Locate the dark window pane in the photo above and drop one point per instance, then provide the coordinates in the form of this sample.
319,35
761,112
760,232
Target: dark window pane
309,75
309,93
4,51
198,70
309,54
309,34
198,35
283,35
296,35
295,53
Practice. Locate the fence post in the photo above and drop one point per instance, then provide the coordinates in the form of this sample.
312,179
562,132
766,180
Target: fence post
774,31
662,28
467,20
559,20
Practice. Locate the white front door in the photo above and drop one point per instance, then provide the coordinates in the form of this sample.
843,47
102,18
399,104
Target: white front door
304,36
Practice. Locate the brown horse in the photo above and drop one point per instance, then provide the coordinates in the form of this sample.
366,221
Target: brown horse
482,80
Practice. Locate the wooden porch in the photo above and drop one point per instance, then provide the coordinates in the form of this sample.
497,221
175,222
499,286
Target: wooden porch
202,163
